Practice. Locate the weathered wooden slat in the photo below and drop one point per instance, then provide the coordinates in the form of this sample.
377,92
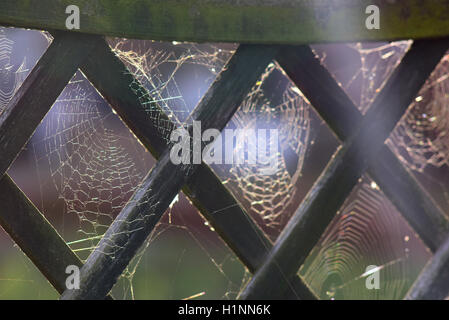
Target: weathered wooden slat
234,226
18,216
112,79
245,21
412,201
133,225
433,282
39,91
35,235
340,113
341,175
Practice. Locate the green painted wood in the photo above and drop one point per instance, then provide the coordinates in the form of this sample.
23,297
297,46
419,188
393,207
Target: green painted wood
339,112
343,172
244,21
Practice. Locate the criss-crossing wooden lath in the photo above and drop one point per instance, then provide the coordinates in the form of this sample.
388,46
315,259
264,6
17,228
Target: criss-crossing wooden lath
274,266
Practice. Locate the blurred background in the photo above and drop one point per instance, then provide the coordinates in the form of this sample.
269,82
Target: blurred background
83,164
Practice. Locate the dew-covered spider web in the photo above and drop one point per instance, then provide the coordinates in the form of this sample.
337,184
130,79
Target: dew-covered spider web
421,140
86,164
367,231
10,79
16,61
12,70
275,103
83,164
362,68
272,103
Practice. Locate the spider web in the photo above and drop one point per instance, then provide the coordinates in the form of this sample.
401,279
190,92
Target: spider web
87,164
362,68
421,139
11,76
83,164
368,230
16,271
274,103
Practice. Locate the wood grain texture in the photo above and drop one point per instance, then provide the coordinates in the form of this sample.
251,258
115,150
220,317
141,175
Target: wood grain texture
329,192
244,21
340,113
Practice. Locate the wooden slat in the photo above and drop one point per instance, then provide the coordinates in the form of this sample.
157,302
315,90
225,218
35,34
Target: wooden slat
413,202
35,235
341,175
112,79
234,226
340,113
245,21
433,282
38,92
133,225
18,216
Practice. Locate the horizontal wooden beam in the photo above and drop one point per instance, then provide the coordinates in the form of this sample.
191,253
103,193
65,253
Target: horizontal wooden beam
244,21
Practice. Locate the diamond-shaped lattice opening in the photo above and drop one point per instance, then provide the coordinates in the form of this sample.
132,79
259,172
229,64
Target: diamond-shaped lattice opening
19,52
296,145
362,68
176,75
367,231
81,165
183,258
421,138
